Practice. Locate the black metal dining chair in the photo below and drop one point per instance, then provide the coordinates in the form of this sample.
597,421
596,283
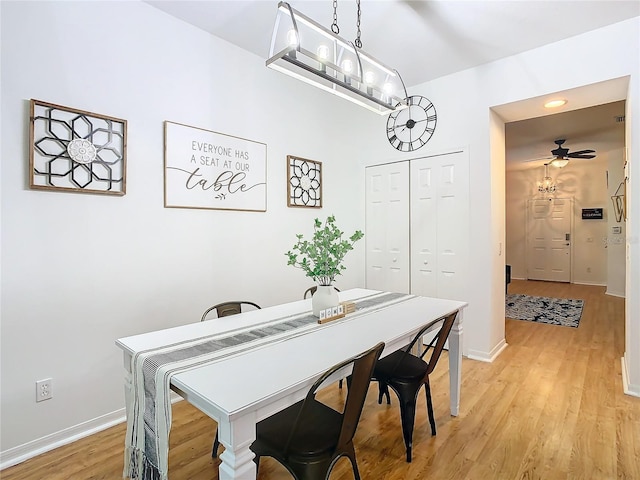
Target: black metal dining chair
311,290
309,437
225,309
405,373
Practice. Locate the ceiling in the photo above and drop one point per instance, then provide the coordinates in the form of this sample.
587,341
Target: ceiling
529,142
425,40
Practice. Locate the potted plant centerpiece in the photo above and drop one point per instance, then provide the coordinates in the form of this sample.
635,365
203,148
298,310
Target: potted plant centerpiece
321,259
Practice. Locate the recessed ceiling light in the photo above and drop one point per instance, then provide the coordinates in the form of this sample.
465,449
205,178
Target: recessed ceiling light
554,103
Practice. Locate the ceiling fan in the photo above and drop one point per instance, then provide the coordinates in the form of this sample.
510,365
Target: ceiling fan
562,155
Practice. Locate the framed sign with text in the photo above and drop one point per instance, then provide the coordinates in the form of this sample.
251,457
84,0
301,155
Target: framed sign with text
211,170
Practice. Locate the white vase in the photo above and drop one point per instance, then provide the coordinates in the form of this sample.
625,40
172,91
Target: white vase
326,296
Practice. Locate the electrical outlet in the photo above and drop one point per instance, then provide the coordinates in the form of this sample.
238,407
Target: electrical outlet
44,389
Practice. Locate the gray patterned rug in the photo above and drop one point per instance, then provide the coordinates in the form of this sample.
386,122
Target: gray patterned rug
554,311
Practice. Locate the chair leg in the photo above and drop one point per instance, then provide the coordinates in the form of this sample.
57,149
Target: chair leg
432,420
216,444
407,395
354,464
383,389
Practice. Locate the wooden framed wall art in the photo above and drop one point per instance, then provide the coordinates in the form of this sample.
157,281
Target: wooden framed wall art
211,170
304,182
76,151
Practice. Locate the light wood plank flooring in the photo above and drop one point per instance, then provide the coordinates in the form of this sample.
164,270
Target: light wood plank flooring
550,407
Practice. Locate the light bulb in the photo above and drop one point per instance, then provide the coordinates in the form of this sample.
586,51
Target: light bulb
369,77
347,66
323,52
387,88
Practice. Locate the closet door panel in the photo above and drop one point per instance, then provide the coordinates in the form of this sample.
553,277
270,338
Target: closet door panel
453,221
387,227
423,234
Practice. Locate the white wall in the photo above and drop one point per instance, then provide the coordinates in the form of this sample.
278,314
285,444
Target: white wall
616,259
80,271
586,182
464,101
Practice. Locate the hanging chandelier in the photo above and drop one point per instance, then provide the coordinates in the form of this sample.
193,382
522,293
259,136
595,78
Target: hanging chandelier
546,185
306,50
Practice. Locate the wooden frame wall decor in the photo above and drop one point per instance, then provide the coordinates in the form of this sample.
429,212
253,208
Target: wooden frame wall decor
304,182
211,170
76,151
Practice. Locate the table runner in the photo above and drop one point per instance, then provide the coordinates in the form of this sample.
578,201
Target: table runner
149,408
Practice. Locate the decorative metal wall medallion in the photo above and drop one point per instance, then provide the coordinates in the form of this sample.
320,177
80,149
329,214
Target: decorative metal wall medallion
77,151
304,182
81,150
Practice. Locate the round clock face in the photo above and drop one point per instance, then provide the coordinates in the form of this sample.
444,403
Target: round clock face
412,127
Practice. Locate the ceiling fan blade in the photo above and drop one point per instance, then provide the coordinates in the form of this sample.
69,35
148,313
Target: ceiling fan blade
580,152
581,156
537,159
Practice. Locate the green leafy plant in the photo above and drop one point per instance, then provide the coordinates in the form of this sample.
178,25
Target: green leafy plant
321,257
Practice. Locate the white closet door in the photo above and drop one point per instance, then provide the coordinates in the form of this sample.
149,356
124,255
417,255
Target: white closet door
439,225
387,227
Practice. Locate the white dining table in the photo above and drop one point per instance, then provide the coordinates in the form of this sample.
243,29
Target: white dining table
252,383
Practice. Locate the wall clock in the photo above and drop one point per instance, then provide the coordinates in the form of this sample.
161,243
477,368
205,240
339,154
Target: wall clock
412,127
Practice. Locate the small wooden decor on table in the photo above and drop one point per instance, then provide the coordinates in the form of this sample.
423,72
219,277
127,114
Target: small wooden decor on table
334,313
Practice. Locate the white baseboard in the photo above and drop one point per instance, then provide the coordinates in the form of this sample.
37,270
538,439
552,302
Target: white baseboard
614,294
595,284
19,454
488,357
629,389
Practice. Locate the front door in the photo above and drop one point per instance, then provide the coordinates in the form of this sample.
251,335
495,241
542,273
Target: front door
549,239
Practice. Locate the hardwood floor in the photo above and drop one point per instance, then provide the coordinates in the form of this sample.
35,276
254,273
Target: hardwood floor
550,407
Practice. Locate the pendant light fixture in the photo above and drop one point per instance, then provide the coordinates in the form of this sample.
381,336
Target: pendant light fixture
306,50
546,185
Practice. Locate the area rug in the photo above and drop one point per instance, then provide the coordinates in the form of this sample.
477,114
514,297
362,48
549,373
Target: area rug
554,311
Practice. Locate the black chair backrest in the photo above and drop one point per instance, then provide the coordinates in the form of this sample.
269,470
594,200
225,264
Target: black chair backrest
227,308
439,340
363,365
435,346
311,290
